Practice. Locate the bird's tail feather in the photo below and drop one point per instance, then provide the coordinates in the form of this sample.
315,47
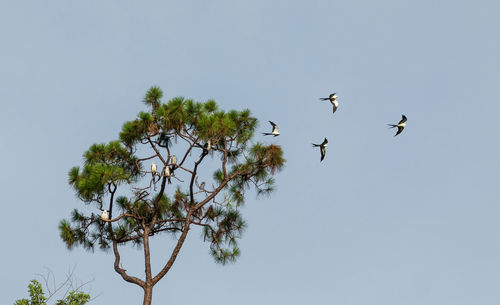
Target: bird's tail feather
392,125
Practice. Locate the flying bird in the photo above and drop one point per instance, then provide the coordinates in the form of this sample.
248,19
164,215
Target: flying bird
401,125
322,148
275,131
333,99
104,215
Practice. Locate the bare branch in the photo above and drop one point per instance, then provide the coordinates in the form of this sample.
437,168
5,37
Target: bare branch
69,283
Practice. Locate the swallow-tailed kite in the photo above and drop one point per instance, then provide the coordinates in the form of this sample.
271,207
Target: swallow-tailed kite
207,146
333,99
104,215
401,125
166,173
153,169
322,148
173,166
275,131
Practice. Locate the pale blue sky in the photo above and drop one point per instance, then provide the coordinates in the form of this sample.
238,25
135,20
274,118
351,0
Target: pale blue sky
382,220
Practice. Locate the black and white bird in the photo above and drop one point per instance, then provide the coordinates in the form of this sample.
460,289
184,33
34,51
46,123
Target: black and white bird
166,173
401,125
322,148
153,169
104,215
174,164
333,99
207,146
275,131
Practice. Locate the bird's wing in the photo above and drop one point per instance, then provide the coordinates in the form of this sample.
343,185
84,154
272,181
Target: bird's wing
400,129
334,108
324,98
275,128
403,119
323,152
272,124
324,142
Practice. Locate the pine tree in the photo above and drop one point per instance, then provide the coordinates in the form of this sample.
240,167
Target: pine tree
140,203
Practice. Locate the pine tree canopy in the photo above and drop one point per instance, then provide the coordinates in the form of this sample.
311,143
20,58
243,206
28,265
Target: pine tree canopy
215,165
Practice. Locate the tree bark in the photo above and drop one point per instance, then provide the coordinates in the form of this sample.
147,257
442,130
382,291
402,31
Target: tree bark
148,295
147,255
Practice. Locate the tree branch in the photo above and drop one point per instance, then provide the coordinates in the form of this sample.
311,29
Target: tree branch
177,248
147,254
193,176
122,272
121,216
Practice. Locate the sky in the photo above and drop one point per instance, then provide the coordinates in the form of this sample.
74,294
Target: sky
411,219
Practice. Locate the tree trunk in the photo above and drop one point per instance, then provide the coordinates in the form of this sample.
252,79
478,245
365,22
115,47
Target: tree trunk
148,295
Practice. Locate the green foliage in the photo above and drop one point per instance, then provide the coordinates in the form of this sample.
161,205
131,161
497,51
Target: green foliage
153,96
154,136
105,165
74,298
37,297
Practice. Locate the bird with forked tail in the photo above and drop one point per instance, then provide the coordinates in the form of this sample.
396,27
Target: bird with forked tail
275,131
322,148
401,125
333,99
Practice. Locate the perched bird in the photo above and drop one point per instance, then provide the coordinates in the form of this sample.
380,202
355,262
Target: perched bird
153,169
322,148
166,173
333,99
275,131
163,139
401,125
104,215
207,146
174,162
